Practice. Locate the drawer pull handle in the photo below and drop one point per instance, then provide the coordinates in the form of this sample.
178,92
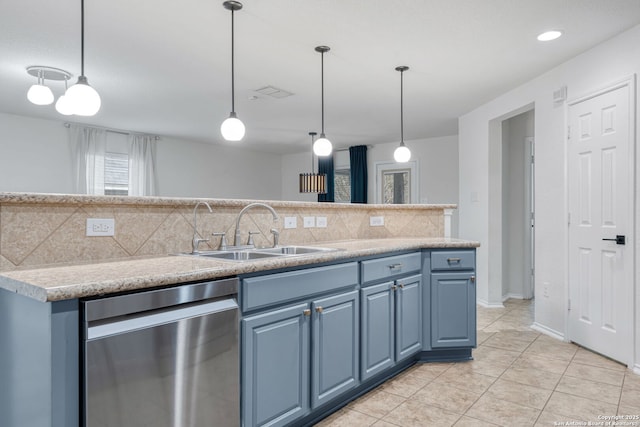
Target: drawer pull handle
307,312
452,260
473,279
319,309
394,267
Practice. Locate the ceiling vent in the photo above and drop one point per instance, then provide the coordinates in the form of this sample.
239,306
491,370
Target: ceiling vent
273,92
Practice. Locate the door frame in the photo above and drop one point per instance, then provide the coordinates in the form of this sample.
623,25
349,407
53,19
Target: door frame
528,291
629,81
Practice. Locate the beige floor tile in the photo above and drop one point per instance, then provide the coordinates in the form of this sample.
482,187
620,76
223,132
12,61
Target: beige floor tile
486,353
383,423
631,381
627,410
553,349
503,413
485,367
472,422
506,343
535,378
507,325
347,418
533,397
482,336
630,398
528,336
471,381
416,414
377,403
404,385
594,373
445,397
548,419
579,408
587,357
589,389
539,362
428,371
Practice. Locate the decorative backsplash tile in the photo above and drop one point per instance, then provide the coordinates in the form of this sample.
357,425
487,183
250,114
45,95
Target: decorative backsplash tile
37,229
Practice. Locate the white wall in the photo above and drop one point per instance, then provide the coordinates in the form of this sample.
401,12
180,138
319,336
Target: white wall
35,157
437,165
611,61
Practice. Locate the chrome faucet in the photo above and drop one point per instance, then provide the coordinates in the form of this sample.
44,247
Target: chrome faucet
195,242
237,238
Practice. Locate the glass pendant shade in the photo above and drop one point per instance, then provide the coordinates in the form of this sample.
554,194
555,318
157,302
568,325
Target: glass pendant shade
322,146
402,154
63,106
40,95
84,99
232,128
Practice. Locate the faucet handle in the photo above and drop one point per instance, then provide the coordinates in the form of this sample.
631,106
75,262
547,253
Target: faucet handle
223,240
196,244
250,240
276,236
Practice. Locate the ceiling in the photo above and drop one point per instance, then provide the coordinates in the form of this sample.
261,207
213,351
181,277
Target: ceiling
164,67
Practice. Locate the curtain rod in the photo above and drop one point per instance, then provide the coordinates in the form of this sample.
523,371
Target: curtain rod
121,132
346,149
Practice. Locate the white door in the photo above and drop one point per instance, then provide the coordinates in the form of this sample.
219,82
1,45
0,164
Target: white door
600,168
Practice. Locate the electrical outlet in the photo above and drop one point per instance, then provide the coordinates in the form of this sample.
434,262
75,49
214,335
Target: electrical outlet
290,222
309,222
321,221
376,221
100,227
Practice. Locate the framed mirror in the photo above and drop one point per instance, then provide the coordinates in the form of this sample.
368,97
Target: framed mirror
396,183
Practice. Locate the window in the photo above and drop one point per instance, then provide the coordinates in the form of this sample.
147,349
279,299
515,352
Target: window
116,174
342,185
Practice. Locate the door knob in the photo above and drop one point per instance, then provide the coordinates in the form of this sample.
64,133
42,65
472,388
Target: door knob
620,239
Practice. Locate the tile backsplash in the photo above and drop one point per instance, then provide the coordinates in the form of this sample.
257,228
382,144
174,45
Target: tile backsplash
41,229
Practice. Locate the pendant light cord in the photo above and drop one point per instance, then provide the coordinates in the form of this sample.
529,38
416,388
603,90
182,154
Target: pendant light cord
322,88
233,87
82,37
401,108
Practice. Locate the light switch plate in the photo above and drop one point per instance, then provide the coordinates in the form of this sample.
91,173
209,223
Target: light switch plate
376,221
290,222
321,221
309,222
100,227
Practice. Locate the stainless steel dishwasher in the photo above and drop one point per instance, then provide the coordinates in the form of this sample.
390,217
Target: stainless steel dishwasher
163,358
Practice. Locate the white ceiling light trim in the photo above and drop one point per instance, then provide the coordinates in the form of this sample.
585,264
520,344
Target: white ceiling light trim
547,36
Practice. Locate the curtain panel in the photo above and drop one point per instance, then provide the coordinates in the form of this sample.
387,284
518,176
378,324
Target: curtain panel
359,177
142,165
325,165
88,147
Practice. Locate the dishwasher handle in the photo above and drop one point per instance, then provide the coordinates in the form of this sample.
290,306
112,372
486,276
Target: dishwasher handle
156,318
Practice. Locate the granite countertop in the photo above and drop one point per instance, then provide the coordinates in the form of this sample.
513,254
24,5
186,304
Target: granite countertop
64,282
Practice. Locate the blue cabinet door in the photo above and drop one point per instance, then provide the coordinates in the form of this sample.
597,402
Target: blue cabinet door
377,351
453,310
408,294
275,366
335,335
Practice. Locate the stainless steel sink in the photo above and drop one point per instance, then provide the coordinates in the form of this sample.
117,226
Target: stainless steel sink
295,250
246,255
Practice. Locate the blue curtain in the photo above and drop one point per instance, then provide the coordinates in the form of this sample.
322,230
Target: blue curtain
358,160
325,165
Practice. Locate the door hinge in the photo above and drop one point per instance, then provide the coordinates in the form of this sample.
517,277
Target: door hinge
568,218
568,132
533,159
569,305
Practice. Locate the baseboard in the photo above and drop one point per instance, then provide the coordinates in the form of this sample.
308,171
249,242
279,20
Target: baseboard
485,304
547,331
514,296
636,369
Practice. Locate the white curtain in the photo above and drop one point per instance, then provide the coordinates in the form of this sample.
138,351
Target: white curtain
142,166
87,150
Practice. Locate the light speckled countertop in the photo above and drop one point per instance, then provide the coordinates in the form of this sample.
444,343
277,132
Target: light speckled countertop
84,280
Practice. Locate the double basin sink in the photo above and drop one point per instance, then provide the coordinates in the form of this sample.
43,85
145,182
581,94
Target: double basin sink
262,253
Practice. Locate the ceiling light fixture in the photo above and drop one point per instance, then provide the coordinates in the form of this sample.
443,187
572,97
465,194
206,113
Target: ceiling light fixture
322,146
549,35
82,98
313,182
63,106
39,93
232,128
402,154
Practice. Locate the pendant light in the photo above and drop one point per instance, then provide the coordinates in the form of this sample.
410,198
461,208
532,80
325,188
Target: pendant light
82,98
63,106
232,129
313,182
322,146
39,93
402,154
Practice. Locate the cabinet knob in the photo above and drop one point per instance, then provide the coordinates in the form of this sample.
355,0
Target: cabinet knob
401,286
307,312
393,287
319,309
473,279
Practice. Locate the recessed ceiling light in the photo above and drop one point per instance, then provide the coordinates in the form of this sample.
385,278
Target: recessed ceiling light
549,35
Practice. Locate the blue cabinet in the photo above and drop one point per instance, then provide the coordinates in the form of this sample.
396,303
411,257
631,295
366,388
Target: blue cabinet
275,383
453,299
391,323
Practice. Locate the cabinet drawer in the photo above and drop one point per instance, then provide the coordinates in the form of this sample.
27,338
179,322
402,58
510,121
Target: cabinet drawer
453,260
278,288
383,268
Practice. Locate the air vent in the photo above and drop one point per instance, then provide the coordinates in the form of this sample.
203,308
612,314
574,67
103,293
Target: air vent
273,92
